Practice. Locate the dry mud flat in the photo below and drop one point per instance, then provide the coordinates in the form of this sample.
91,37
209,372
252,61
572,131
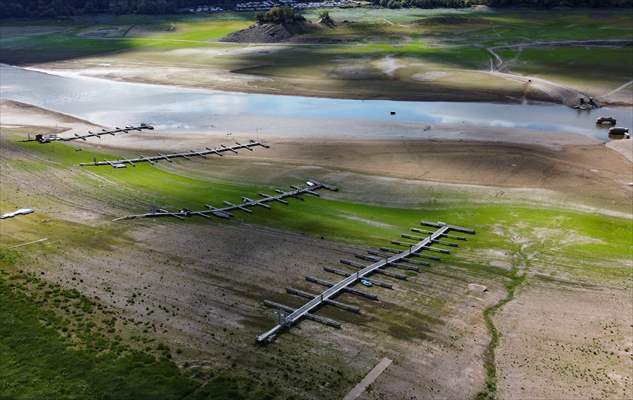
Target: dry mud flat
566,341
213,278
553,169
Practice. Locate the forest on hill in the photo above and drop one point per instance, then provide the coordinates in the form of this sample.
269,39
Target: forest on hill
55,8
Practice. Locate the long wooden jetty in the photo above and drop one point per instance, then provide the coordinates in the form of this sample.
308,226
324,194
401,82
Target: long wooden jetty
380,262
56,138
123,162
310,187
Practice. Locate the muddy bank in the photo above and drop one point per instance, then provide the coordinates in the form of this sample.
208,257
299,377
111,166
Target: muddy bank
565,342
571,171
588,174
623,147
15,113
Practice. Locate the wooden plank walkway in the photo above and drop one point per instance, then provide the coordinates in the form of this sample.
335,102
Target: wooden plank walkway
344,284
56,138
368,379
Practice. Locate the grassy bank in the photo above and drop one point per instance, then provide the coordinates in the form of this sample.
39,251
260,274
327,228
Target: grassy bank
56,343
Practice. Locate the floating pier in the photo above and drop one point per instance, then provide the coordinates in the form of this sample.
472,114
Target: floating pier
380,262
310,187
56,138
123,162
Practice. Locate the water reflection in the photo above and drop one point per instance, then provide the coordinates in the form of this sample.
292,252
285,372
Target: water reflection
111,103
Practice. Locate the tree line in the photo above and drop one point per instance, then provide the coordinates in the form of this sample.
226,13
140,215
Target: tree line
560,3
55,8
501,3
279,15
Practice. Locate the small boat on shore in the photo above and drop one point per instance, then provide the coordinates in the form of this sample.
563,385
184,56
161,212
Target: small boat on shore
619,133
606,121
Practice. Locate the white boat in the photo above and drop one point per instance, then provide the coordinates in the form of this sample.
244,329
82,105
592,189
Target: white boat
21,211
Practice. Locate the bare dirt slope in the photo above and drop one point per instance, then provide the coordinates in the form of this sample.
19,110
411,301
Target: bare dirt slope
268,33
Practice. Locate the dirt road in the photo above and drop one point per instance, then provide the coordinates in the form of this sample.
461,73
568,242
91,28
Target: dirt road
566,95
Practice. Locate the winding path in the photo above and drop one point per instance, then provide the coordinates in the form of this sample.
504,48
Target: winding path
616,90
566,94
606,43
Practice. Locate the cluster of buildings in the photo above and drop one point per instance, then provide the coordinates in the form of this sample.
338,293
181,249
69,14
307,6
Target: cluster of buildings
327,4
201,9
265,5
261,5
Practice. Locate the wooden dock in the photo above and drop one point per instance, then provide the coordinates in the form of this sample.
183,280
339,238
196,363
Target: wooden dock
326,297
310,187
56,138
123,162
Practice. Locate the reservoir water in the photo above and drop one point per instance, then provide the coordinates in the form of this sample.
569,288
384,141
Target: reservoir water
113,103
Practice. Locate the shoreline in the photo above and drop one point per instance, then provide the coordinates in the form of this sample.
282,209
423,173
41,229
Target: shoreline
545,92
456,135
415,121
451,97
439,94
586,174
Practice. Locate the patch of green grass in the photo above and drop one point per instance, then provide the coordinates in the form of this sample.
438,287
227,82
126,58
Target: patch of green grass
451,56
158,32
37,226
530,25
39,362
203,30
552,232
26,165
47,351
582,64
8,257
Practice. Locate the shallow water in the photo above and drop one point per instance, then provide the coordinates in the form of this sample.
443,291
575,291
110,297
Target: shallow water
119,103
